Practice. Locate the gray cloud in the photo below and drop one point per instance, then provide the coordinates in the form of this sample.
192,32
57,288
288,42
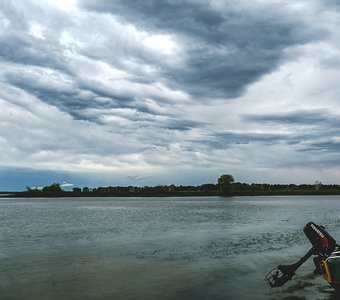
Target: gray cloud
168,87
95,103
321,136
222,140
18,41
325,146
301,117
333,3
68,97
227,48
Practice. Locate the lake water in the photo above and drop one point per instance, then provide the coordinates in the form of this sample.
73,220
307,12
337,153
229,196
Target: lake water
159,248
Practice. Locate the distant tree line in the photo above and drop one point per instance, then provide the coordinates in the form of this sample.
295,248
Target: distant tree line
225,186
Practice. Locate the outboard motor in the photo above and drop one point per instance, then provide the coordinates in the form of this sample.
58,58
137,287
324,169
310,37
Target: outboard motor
323,245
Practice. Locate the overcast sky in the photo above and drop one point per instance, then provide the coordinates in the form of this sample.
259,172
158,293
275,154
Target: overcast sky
147,92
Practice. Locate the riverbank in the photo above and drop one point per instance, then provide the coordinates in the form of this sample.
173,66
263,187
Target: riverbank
63,194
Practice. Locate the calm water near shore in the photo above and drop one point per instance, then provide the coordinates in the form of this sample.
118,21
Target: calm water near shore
159,248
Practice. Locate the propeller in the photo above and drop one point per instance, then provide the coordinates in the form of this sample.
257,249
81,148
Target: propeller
283,273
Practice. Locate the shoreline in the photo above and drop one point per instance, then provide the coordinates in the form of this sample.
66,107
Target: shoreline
169,194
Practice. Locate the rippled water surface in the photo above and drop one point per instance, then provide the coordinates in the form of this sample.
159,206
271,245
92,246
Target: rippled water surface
159,248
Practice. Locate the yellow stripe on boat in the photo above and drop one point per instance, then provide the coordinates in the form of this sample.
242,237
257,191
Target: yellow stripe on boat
326,275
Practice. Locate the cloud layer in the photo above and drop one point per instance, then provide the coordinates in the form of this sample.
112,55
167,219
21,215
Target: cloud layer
139,92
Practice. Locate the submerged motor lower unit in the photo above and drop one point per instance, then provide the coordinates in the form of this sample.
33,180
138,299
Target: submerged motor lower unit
327,259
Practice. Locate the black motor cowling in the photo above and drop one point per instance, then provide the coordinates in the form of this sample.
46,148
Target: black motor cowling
323,243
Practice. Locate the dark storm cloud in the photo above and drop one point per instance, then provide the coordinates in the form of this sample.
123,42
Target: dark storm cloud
327,146
311,141
182,125
17,46
76,102
324,129
298,118
333,3
226,49
69,100
161,14
222,140
100,90
29,51
78,96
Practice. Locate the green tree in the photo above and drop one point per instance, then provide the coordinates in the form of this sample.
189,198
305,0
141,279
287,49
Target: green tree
86,189
225,181
53,188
